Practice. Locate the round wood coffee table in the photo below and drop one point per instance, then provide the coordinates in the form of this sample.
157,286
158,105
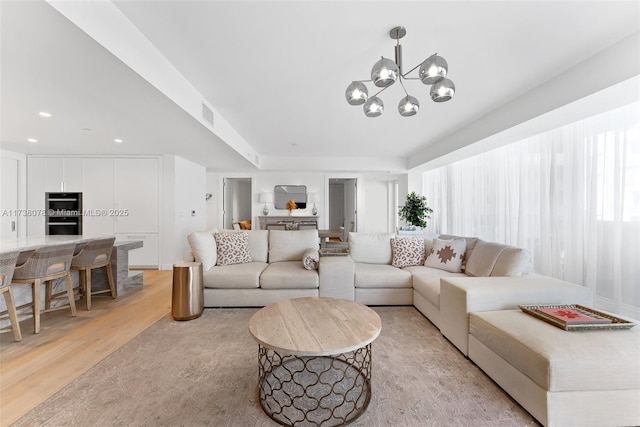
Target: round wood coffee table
314,357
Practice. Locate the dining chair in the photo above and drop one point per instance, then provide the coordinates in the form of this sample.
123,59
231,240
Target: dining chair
95,254
46,264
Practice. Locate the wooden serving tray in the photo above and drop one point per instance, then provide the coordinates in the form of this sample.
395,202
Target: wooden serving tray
616,322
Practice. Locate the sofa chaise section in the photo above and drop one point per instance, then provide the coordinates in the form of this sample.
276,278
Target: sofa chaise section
580,378
460,296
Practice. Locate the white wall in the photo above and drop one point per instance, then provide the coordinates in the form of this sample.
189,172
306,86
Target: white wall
184,206
373,197
212,203
315,182
376,210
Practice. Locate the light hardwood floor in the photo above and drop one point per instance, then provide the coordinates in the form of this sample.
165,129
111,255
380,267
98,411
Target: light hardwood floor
35,368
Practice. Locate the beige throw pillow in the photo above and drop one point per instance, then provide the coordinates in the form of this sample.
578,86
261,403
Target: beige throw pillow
203,248
447,255
233,248
371,248
407,251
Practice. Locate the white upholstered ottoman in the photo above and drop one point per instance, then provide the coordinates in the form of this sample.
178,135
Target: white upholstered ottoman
577,378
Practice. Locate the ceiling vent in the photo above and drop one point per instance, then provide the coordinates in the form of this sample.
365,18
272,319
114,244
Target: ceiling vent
207,114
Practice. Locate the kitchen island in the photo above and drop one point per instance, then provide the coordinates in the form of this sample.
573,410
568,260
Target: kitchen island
125,279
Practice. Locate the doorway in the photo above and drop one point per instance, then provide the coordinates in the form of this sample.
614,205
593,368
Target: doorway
236,201
343,204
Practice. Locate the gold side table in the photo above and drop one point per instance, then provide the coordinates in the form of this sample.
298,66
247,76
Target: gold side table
187,301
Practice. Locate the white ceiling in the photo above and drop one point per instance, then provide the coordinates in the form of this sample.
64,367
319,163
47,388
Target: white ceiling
276,71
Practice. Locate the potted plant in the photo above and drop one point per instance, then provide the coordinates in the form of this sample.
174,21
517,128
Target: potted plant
415,212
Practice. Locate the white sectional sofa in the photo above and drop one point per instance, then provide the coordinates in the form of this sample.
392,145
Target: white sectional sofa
493,277
491,281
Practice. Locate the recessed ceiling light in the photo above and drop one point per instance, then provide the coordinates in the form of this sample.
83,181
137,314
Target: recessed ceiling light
32,140
118,140
44,114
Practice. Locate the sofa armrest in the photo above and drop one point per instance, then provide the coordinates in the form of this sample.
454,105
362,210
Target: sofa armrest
460,296
337,277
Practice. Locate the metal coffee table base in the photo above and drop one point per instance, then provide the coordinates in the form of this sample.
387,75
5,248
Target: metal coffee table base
314,390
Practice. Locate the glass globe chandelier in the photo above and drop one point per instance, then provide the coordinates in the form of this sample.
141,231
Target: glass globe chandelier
432,72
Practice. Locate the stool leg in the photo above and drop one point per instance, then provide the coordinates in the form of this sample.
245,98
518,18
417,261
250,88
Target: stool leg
82,283
110,280
87,284
35,293
72,299
10,302
47,295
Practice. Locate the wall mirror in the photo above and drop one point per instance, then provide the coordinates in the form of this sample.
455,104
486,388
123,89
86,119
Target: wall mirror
283,193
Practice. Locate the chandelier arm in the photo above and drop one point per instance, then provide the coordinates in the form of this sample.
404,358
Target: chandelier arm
414,68
403,88
382,90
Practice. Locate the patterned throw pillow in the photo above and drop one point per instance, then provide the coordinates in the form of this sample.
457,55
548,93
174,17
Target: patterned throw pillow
310,259
447,255
233,248
407,251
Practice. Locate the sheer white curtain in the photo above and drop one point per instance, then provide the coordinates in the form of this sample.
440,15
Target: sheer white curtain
571,195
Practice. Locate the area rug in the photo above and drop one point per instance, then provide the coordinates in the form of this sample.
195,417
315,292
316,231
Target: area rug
204,372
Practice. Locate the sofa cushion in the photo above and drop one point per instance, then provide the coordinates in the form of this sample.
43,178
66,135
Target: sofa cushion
512,262
236,276
447,255
232,248
426,281
288,275
483,258
504,259
291,245
407,251
203,248
311,259
381,276
374,248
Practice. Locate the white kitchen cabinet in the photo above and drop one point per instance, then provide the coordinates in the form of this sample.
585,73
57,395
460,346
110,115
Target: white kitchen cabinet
98,197
148,255
72,174
137,195
53,180
49,174
61,174
120,196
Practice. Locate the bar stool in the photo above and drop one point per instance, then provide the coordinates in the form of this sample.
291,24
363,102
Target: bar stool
44,265
7,265
95,254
